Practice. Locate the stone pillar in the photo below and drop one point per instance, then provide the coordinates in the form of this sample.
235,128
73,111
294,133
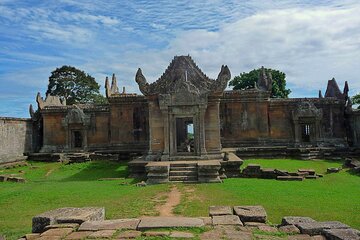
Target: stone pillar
202,130
166,151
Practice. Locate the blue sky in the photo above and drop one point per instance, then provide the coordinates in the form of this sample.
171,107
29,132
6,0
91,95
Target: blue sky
311,41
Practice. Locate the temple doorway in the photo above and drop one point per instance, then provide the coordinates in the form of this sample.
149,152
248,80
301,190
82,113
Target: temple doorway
185,140
77,140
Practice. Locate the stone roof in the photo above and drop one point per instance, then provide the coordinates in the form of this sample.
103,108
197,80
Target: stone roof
182,69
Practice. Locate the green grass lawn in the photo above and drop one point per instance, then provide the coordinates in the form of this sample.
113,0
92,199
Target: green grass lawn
333,197
74,185
53,185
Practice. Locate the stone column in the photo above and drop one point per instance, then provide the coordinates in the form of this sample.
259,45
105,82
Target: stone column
165,114
202,130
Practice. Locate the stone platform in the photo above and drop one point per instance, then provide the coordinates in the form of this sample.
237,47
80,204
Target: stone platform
191,171
224,222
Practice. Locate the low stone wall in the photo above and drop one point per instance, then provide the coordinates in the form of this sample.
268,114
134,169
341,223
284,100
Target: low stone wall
15,138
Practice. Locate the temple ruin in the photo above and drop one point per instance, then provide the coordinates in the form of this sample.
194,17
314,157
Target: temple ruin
187,116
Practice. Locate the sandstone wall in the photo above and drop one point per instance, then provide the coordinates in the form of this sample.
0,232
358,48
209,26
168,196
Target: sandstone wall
15,138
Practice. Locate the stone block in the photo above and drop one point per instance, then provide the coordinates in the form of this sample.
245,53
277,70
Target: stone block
290,178
66,215
292,220
63,225
207,220
3,178
316,228
181,235
267,228
299,237
227,220
157,172
57,232
291,229
333,170
342,234
102,234
309,171
253,224
78,235
117,224
220,210
156,234
251,213
165,222
129,235
31,236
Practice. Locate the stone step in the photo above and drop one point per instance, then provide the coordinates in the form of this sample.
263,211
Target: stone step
183,178
290,178
165,222
183,165
183,173
183,168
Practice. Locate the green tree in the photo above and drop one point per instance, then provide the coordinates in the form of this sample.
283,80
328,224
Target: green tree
75,86
356,100
247,80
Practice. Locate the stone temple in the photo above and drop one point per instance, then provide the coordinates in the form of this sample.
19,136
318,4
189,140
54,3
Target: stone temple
187,116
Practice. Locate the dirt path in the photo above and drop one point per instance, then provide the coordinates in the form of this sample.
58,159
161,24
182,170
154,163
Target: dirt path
174,197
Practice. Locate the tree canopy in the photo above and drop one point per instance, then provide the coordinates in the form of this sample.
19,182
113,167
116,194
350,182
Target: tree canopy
74,85
247,80
356,100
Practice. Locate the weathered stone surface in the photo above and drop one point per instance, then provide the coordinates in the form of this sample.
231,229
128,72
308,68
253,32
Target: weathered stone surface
181,235
267,228
309,171
129,235
156,234
78,235
57,232
289,229
299,237
31,236
62,225
157,172
116,224
66,215
50,238
293,220
207,220
316,228
220,210
318,237
342,234
212,235
16,179
253,224
102,234
163,222
332,170
290,178
227,220
251,213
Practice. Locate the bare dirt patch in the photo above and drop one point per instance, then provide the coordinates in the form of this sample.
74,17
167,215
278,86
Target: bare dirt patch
174,197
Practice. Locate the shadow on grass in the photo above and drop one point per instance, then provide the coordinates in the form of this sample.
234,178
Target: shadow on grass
100,169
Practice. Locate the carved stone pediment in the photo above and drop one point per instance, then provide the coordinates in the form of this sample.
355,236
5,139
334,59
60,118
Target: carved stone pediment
306,109
76,116
183,72
50,101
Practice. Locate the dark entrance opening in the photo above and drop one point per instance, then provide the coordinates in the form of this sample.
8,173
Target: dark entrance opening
77,139
185,135
305,132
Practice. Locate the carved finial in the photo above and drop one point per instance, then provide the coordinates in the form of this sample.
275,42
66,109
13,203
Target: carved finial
107,88
346,90
114,87
123,91
141,81
31,111
263,82
39,101
320,94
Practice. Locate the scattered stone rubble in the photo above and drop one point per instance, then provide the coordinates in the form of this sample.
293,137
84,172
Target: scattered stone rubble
255,171
225,222
10,178
353,164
